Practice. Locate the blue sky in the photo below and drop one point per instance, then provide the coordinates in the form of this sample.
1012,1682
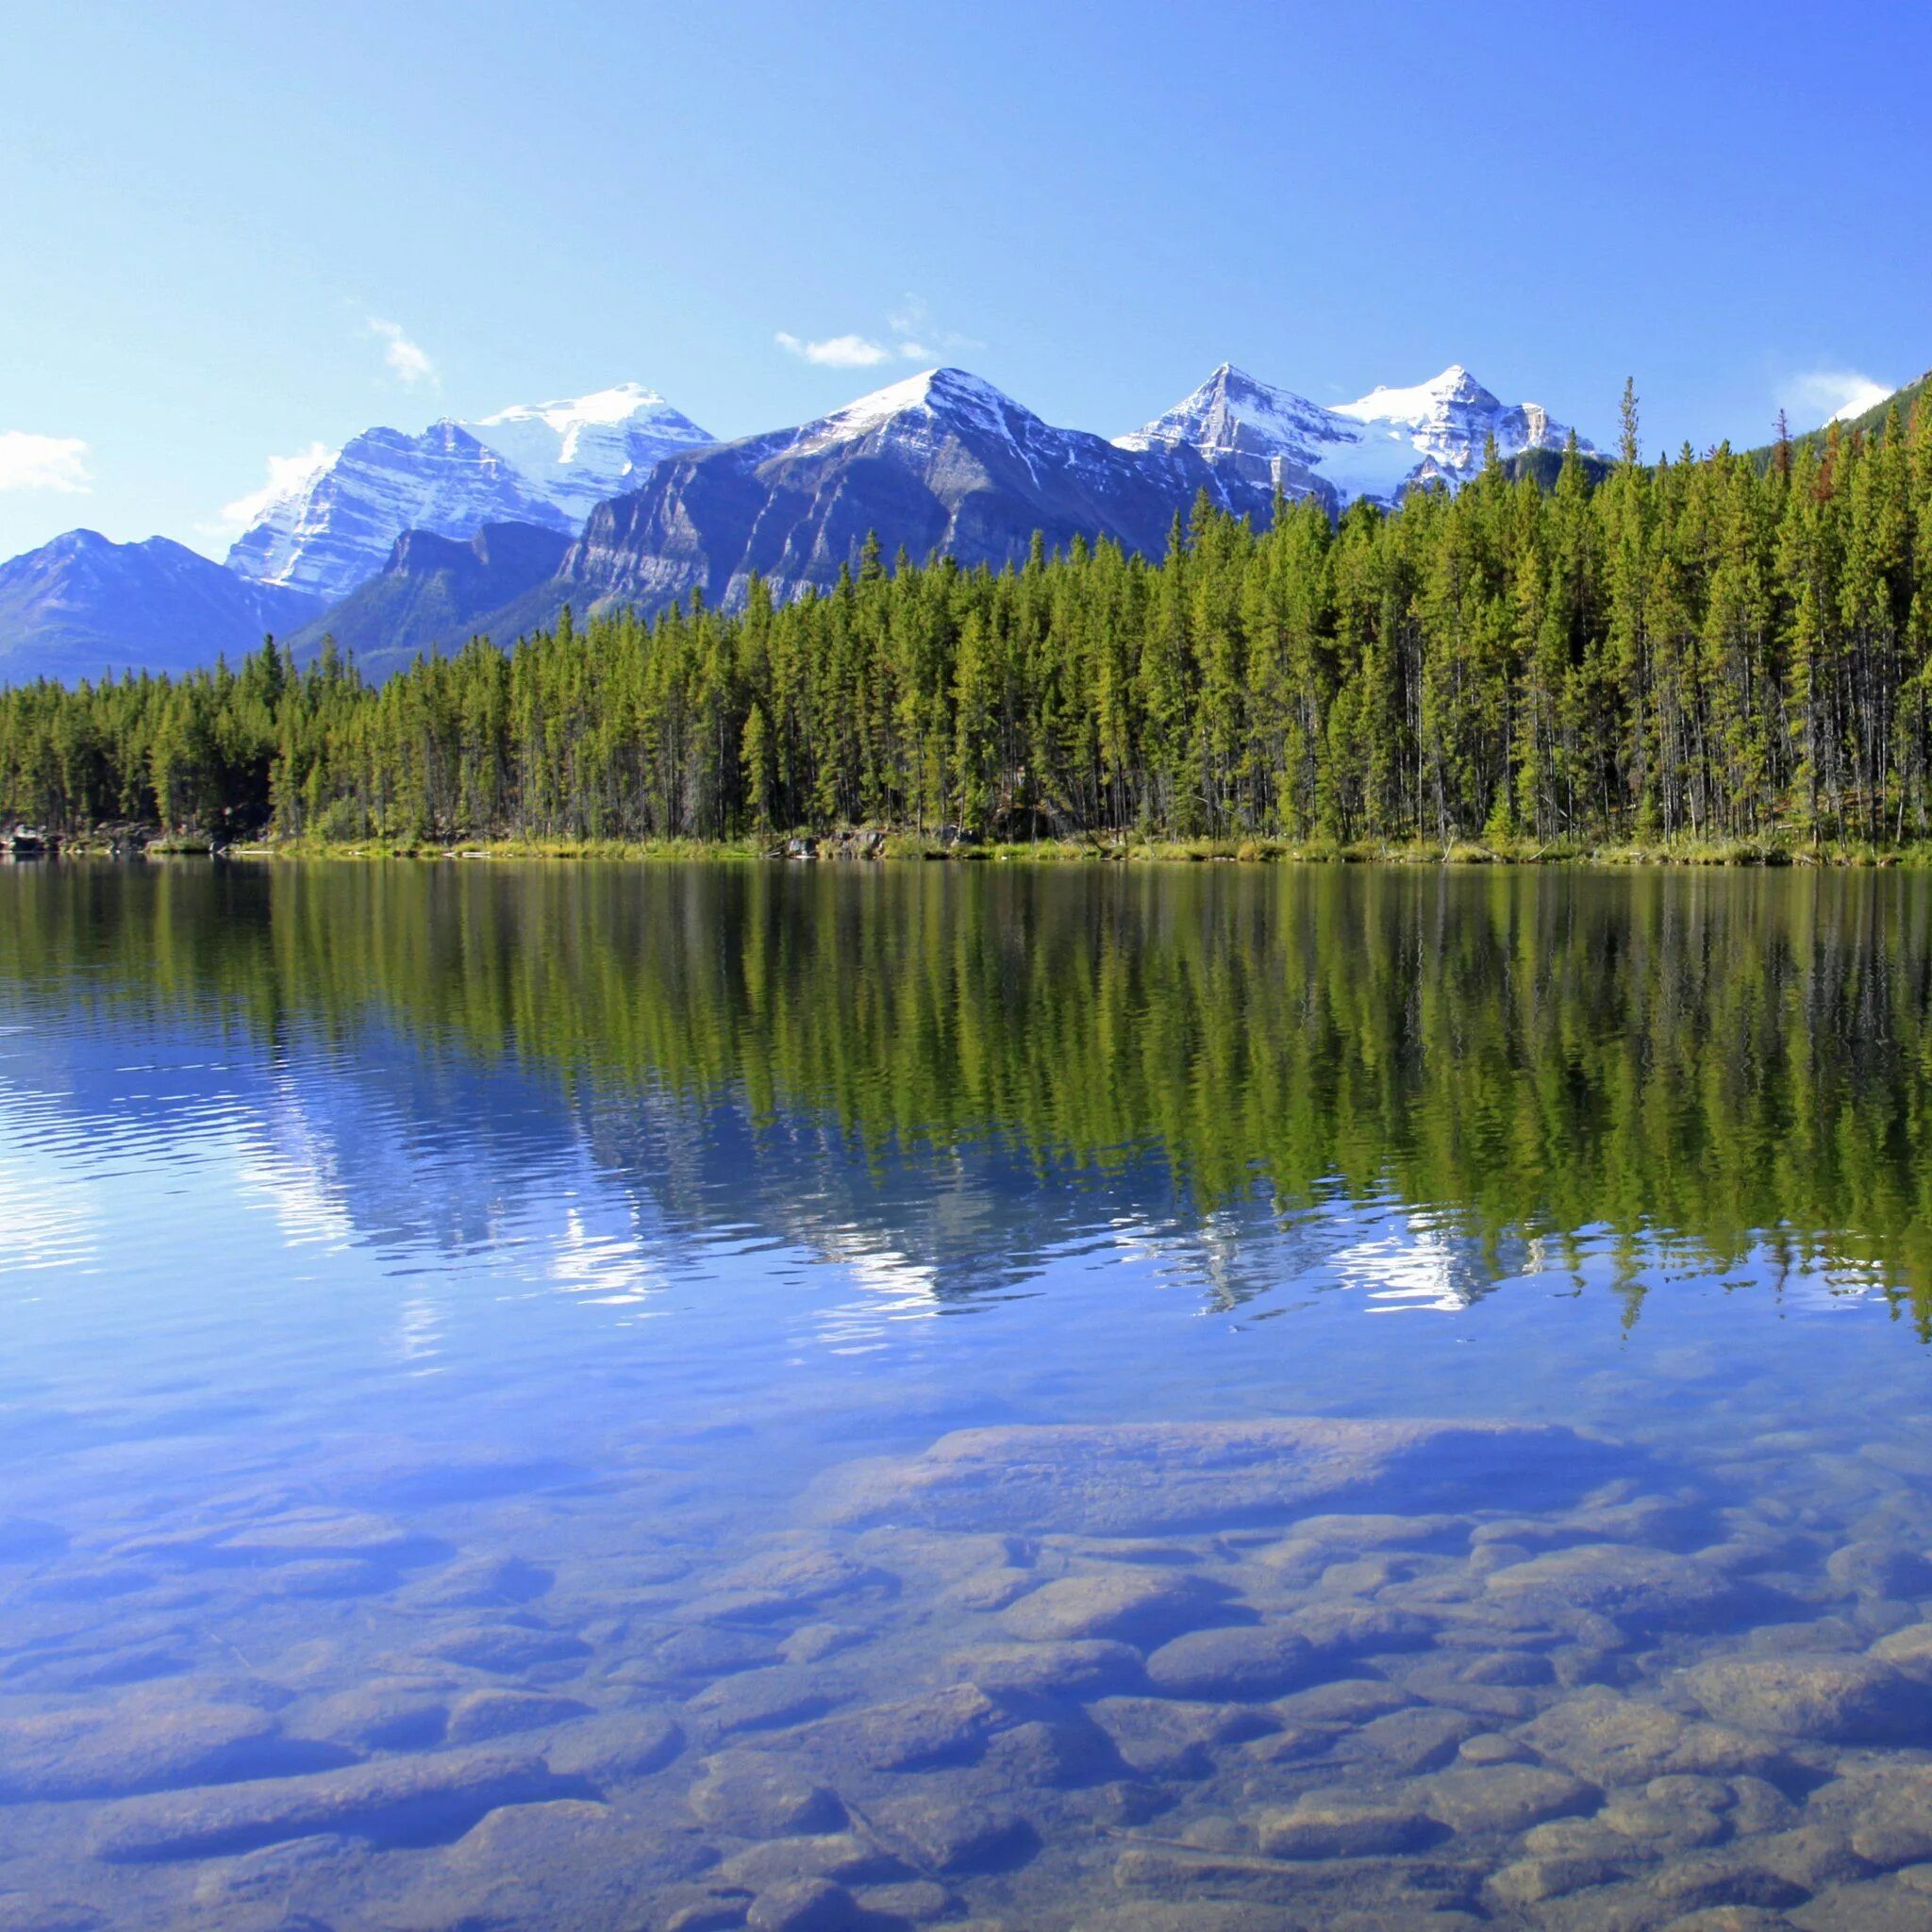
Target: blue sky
229,234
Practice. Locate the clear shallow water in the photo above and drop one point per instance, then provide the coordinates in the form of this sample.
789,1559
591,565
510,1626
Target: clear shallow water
484,1350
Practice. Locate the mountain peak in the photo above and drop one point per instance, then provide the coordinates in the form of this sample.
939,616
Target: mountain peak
932,394
547,463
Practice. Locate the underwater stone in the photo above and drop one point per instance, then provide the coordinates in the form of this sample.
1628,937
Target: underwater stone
1239,1663
1121,1603
615,1747
1888,1812
1350,1630
1728,1877
841,1854
1062,1669
401,1801
938,1727
507,1648
911,1902
388,1714
760,1700
1052,1752
1908,1650
1344,1824
1733,1919
950,1836
1611,1739
1143,1478
804,1905
1502,1797
1643,1589
753,1794
481,1583
131,1744
1170,1738
1411,1741
1530,1881
1840,1699
486,1714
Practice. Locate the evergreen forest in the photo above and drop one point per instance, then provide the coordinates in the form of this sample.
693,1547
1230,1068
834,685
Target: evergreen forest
1714,648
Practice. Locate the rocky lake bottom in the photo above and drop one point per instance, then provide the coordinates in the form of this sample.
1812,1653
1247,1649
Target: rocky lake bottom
439,1492
1329,1673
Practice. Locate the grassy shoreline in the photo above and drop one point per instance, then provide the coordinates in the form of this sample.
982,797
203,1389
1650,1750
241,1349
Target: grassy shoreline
1773,852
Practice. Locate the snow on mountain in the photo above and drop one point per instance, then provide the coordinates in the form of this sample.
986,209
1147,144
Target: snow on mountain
545,463
1377,446
577,452
1446,423
1265,435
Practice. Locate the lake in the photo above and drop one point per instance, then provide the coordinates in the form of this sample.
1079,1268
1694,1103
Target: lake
689,1396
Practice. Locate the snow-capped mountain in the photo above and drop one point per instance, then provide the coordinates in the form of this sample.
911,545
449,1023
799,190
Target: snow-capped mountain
1384,443
546,463
575,454
942,461
82,606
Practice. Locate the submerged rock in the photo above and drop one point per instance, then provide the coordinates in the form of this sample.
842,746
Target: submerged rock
1144,1604
947,1726
1612,1739
1409,1741
1502,1797
1071,1668
1237,1662
130,1744
486,1714
1132,1479
1845,1700
507,1648
614,1747
1344,1824
386,1714
1638,1588
760,1700
414,1800
949,1837
1170,1738
804,1905
482,1583
1908,1650
1886,1812
752,1794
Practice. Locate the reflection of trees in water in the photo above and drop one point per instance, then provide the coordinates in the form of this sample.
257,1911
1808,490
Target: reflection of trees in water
969,1064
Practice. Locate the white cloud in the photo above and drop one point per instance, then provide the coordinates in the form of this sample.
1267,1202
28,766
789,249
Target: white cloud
913,336
406,360
286,475
921,338
1829,395
836,352
43,462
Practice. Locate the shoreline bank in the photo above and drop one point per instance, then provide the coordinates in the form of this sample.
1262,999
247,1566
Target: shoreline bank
872,847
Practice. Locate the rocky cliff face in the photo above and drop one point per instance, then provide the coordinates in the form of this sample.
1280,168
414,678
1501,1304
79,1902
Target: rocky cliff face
433,593
940,462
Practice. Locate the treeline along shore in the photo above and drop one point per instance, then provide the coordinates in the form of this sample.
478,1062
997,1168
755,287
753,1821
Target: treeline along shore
1720,655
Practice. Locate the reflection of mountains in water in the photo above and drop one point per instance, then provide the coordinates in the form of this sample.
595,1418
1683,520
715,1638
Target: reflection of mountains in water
1383,1084
419,1153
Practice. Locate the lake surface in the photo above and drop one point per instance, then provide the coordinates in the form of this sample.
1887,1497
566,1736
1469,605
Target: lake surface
876,1395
